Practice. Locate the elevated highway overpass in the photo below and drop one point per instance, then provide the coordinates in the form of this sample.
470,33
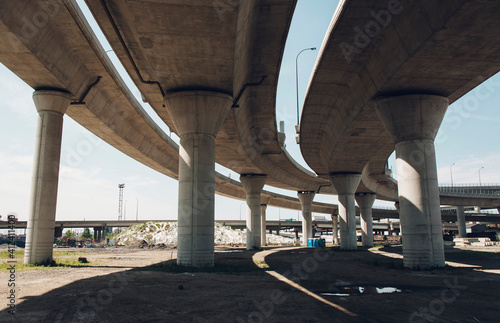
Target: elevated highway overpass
233,63
385,75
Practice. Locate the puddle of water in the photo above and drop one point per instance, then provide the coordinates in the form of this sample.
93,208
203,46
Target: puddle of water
335,294
378,290
356,290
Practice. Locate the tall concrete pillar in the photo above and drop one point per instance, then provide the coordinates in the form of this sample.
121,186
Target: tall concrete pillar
365,203
197,117
335,229
253,185
58,232
263,224
51,106
306,199
413,121
346,185
462,229
396,205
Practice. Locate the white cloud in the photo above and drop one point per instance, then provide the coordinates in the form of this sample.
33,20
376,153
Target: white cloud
466,170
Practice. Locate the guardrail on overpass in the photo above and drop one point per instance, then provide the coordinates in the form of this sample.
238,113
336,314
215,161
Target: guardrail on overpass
486,191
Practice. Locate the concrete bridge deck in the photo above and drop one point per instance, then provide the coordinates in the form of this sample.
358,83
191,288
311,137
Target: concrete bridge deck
441,48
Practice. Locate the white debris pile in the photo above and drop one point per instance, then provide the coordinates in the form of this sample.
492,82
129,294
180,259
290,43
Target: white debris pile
275,239
166,232
151,232
226,235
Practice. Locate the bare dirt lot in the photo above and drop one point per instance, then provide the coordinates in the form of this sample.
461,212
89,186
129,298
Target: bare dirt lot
293,285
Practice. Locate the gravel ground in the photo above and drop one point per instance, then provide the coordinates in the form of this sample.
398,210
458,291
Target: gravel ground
127,285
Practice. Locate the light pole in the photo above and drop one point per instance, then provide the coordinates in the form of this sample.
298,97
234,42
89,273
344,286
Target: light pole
297,77
451,174
240,209
479,174
137,210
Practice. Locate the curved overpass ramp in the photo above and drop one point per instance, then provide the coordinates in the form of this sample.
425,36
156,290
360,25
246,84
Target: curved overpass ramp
385,76
444,48
72,59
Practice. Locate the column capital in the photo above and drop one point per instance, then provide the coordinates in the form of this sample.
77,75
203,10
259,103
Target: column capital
345,183
253,183
365,200
410,117
306,197
50,100
197,112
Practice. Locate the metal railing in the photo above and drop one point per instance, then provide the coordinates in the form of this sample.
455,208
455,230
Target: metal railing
488,191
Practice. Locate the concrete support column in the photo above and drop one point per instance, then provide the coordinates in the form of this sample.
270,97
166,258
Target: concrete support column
253,185
396,205
335,229
306,199
346,185
365,203
462,229
58,231
413,121
263,234
197,117
51,106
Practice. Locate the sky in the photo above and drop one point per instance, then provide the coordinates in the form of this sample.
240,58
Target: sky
91,169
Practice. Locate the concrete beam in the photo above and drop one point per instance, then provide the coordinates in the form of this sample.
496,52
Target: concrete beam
413,121
306,199
346,185
51,106
253,185
197,116
365,203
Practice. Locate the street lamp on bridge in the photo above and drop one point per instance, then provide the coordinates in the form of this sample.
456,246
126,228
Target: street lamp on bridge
451,174
479,174
297,79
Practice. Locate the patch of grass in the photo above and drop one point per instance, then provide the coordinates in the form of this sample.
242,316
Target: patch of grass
6,254
70,262
261,264
57,263
20,254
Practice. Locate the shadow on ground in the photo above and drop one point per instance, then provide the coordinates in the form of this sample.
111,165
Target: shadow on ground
236,290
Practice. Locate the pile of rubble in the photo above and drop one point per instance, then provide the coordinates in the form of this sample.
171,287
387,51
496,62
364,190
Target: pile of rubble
165,233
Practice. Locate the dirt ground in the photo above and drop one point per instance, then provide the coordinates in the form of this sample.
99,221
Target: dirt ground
131,285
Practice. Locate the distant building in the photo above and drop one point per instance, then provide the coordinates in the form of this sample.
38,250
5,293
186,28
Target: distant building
476,228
